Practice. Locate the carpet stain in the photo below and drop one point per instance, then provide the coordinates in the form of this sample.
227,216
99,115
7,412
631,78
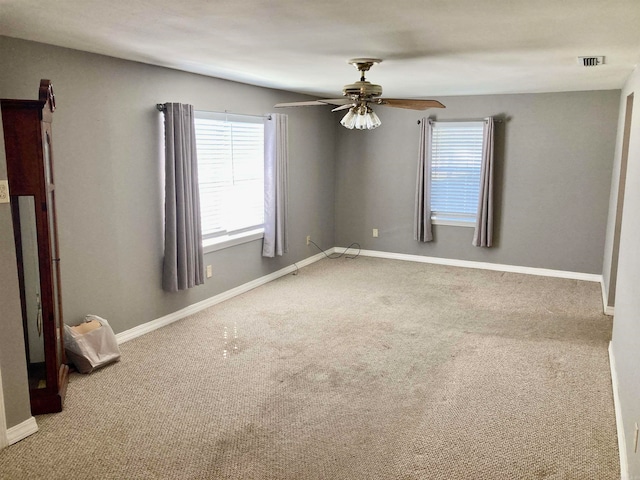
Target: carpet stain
385,300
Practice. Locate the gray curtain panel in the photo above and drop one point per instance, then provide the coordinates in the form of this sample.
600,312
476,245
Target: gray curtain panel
276,181
482,236
422,225
183,256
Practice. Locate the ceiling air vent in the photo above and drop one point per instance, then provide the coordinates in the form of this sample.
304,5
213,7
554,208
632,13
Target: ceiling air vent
590,61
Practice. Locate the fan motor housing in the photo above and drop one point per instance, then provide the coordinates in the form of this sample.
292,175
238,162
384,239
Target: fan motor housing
362,89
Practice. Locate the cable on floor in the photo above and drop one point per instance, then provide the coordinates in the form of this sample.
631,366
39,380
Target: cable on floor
334,256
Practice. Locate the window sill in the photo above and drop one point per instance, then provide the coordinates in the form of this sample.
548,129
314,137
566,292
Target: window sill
453,223
226,241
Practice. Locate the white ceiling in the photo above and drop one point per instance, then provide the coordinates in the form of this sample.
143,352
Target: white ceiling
430,47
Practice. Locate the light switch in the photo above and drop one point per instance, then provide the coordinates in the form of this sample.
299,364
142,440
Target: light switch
209,271
4,191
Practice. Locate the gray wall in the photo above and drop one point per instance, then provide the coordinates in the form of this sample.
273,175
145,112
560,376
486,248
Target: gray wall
554,157
107,139
12,358
625,342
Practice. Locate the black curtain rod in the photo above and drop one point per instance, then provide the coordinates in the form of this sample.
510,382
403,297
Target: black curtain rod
162,108
496,120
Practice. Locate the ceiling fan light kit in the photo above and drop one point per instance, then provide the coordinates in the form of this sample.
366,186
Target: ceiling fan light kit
359,97
362,118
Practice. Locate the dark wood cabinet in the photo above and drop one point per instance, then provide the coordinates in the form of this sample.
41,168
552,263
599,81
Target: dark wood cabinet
28,147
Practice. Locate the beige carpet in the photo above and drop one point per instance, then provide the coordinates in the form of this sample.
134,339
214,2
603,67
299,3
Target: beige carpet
352,369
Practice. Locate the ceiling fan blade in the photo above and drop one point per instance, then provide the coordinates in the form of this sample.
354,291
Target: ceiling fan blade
343,107
323,101
299,104
410,104
336,101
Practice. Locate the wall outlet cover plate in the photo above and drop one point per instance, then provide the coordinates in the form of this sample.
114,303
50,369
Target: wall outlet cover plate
4,191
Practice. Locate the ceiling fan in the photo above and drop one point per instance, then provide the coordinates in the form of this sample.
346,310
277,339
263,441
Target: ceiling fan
359,97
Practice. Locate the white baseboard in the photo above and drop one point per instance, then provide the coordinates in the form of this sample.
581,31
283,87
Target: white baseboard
544,272
622,443
22,430
196,307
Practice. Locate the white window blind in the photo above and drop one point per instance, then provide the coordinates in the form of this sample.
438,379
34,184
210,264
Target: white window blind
456,158
230,172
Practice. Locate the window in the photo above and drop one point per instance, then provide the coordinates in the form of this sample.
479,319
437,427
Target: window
231,177
456,158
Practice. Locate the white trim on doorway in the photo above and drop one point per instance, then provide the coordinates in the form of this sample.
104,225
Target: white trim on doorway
605,296
622,444
3,419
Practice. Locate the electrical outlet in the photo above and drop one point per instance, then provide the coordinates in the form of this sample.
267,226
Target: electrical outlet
375,233
209,271
308,239
4,191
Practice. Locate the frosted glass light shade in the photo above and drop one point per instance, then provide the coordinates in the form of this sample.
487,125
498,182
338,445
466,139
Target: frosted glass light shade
362,118
361,122
375,120
349,120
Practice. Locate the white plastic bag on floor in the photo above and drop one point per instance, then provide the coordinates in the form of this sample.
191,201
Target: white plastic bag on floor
91,344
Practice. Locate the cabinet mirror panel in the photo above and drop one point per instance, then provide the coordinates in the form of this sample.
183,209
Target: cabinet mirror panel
29,275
